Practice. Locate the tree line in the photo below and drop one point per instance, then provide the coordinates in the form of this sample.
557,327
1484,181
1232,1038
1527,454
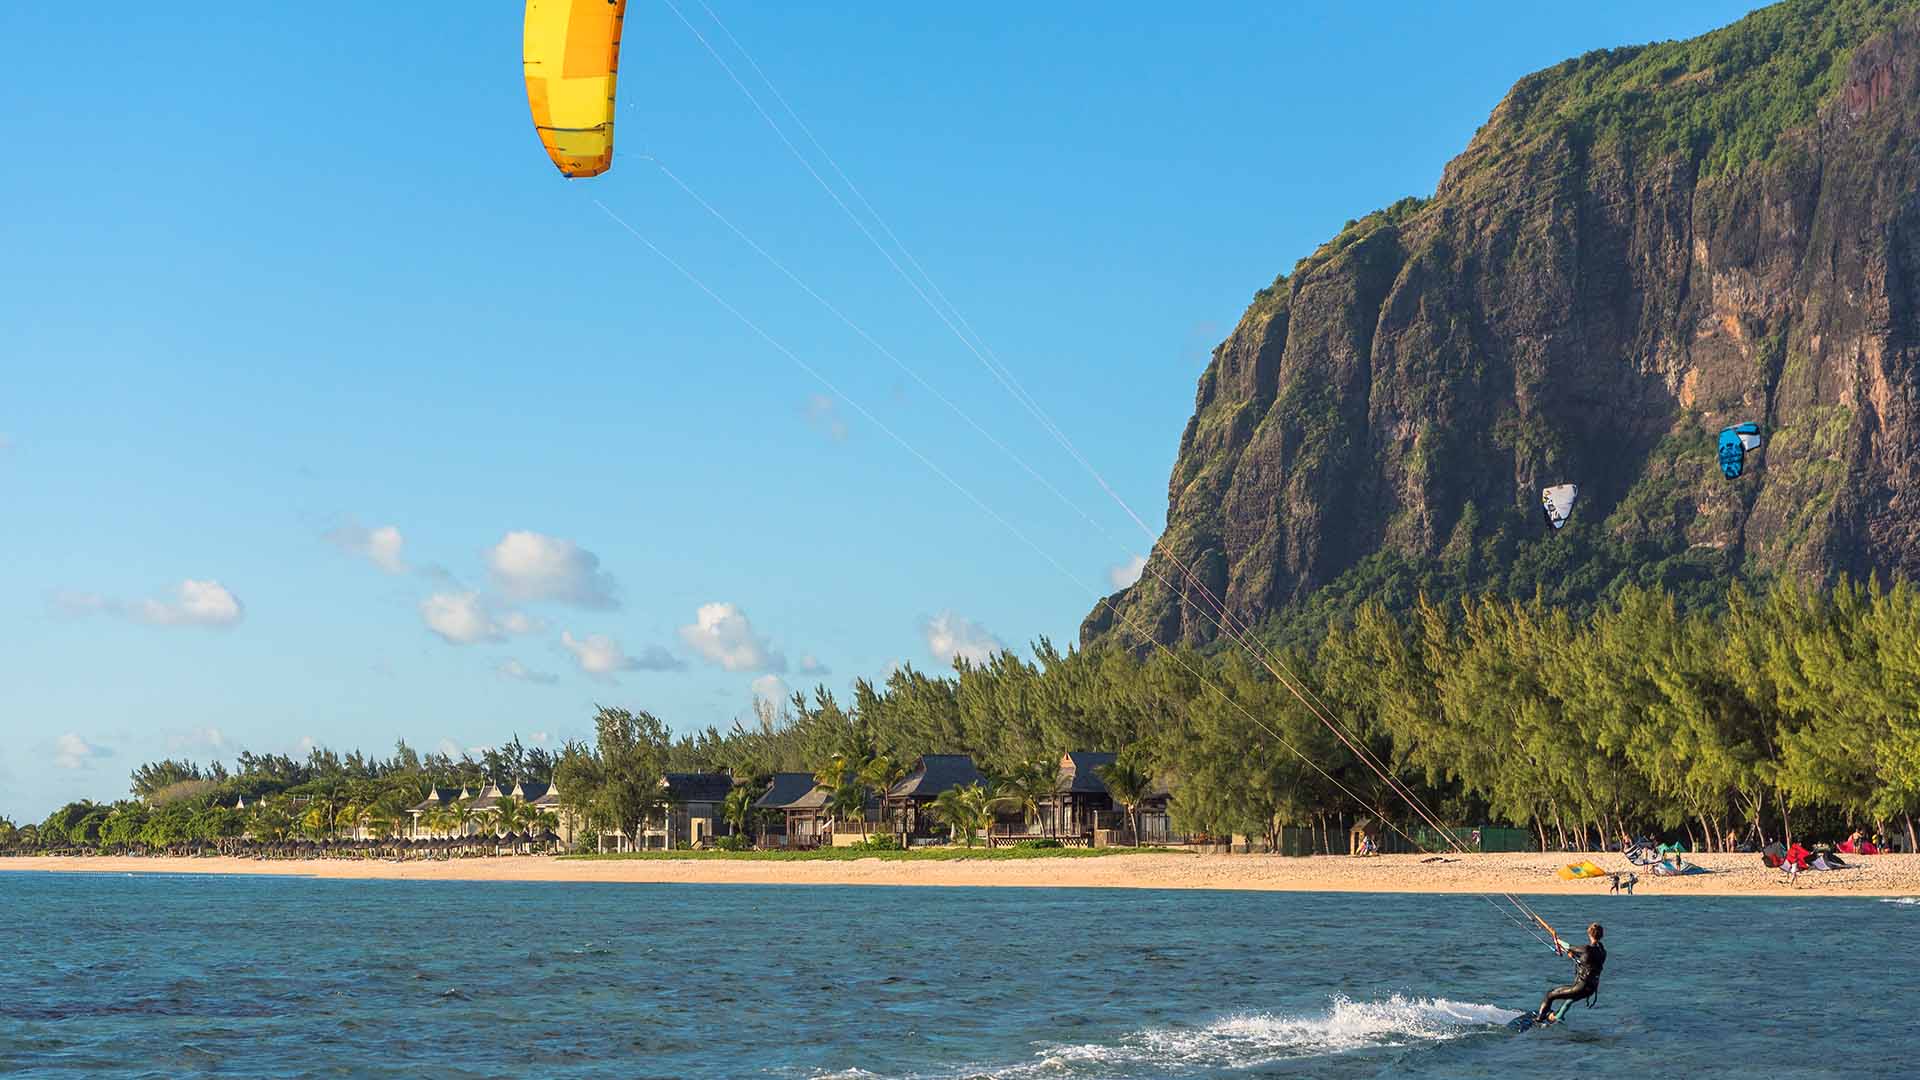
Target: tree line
1791,711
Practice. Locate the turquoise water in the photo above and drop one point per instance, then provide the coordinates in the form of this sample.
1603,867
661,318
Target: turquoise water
170,976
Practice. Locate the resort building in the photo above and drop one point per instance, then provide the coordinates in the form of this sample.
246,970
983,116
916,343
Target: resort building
1081,803
693,815
481,807
792,813
907,807
1156,817
422,812
545,799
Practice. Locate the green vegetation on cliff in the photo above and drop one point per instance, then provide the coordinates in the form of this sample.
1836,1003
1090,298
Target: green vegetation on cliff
1723,99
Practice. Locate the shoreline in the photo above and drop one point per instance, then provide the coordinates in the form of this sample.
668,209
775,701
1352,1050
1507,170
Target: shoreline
1532,874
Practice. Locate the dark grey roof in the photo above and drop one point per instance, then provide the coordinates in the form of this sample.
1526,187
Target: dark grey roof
1081,774
435,798
530,790
935,774
488,796
689,787
787,790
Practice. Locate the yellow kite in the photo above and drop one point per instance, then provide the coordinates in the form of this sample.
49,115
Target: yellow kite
572,55
1585,869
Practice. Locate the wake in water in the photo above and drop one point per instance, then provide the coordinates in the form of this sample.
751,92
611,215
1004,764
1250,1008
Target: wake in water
1244,1041
1910,901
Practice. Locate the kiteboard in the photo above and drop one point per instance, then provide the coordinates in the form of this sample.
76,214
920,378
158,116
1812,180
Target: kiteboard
1526,1021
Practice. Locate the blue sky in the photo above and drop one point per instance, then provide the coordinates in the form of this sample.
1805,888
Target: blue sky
332,413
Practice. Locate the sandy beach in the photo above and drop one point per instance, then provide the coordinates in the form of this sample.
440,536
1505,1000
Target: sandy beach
1734,875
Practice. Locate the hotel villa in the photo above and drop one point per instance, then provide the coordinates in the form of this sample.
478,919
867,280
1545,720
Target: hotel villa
792,811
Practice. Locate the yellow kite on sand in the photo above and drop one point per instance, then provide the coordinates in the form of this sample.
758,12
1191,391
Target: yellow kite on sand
572,56
1579,870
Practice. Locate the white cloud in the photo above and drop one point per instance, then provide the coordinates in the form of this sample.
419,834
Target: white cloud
823,415
463,618
70,751
449,748
538,738
600,655
950,635
771,688
811,665
193,603
307,745
527,566
1127,572
380,546
202,738
723,636
514,669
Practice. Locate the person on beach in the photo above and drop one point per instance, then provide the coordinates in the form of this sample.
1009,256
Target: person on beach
1588,960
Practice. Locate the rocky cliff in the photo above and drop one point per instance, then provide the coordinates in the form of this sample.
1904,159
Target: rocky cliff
1640,247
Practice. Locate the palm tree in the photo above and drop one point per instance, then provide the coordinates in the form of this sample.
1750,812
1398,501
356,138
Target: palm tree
317,822
1129,786
737,809
847,795
1022,789
390,810
950,809
269,822
450,817
509,814
849,801
536,818
324,812
963,810
880,774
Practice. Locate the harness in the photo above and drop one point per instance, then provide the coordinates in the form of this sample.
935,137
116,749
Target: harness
1593,981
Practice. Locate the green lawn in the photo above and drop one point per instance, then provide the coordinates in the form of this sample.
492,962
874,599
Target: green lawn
938,854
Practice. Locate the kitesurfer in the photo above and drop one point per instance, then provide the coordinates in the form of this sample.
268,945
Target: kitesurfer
1587,959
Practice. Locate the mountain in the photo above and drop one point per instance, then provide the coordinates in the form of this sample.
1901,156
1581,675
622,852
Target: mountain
1640,247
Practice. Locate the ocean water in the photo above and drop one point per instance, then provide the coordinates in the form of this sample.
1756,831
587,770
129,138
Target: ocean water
185,976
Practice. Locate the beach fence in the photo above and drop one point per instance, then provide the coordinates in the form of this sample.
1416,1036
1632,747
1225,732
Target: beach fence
1290,840
1403,839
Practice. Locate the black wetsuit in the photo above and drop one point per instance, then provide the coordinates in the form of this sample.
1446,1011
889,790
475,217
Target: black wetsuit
1587,962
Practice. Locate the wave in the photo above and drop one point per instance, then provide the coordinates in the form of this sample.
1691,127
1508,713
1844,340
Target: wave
1245,1040
1907,900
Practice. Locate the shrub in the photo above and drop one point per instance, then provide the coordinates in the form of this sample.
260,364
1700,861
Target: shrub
1035,845
876,842
733,843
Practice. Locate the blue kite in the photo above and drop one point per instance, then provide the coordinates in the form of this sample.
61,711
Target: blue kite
1736,443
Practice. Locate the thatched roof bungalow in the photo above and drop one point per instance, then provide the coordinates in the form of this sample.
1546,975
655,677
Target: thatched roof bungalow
907,803
793,812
